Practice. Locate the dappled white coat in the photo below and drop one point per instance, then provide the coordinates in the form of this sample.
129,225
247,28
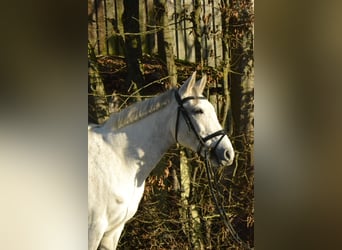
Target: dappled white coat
120,158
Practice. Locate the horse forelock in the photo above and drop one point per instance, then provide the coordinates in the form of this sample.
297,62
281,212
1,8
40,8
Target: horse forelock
138,111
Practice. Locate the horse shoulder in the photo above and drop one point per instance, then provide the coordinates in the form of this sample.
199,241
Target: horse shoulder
113,193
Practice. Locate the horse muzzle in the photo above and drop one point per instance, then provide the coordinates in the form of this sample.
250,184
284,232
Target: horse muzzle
221,152
223,156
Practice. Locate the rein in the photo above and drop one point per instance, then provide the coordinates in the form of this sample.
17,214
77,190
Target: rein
210,173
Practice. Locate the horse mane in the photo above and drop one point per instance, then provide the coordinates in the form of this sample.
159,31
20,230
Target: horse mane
138,111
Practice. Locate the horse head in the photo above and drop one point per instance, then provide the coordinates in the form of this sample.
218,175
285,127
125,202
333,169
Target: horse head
197,126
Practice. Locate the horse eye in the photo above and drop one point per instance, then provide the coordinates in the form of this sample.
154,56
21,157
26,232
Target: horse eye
198,111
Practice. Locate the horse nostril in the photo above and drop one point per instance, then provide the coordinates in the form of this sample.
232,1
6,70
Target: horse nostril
227,154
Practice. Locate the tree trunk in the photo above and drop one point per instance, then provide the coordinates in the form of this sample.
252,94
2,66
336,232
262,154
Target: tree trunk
226,110
130,19
242,77
188,211
227,115
165,40
117,38
196,21
97,101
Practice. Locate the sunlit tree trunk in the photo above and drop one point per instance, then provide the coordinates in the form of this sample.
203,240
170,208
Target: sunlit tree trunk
226,111
97,101
188,211
165,40
117,40
196,21
242,77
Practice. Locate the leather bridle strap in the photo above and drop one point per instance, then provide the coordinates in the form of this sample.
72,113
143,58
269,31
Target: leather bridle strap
185,114
222,133
190,125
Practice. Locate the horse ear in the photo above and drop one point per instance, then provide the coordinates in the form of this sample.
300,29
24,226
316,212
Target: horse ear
200,85
187,88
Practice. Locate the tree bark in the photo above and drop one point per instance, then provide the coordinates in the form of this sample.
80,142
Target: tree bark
196,21
97,101
117,38
130,19
242,77
227,115
165,40
188,211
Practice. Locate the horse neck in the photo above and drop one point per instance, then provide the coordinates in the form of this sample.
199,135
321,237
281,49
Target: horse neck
148,139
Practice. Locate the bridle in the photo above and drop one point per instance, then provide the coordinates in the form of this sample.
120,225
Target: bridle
186,116
207,150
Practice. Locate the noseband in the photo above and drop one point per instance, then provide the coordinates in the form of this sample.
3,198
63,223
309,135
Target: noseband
186,116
